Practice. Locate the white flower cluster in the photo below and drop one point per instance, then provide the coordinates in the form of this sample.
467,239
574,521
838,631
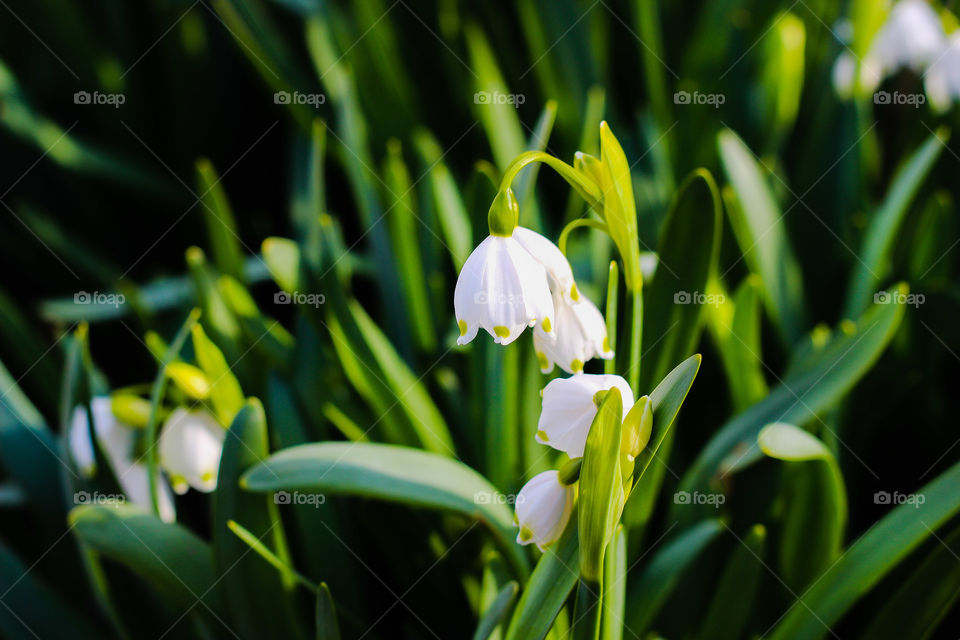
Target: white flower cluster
523,280
189,447
545,503
912,37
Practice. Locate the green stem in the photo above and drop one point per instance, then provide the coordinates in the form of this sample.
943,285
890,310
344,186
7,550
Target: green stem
576,224
586,610
613,293
589,190
156,396
256,545
636,340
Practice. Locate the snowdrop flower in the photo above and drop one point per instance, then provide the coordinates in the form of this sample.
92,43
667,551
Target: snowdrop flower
190,446
912,37
942,80
552,259
116,440
503,287
581,335
543,509
569,407
844,75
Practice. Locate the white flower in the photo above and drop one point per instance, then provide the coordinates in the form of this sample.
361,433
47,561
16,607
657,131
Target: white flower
569,408
116,440
551,258
543,509
502,289
942,80
912,37
844,74
581,334
190,446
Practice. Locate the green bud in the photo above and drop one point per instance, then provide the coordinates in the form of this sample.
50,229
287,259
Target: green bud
570,472
504,214
191,380
130,409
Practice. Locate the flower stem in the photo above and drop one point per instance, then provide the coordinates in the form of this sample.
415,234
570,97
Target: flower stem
584,185
636,339
613,292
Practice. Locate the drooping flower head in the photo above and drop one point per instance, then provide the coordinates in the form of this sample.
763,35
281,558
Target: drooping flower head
116,440
569,407
911,38
543,509
190,446
581,334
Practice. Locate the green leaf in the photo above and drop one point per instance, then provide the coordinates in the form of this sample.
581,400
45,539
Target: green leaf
818,385
396,474
404,226
450,210
758,225
656,582
614,587
283,259
600,488
729,611
870,558
815,514
666,401
735,327
168,556
687,250
874,261
32,609
924,598
619,207
326,615
496,612
221,226
251,588
498,116
547,589
225,392
423,415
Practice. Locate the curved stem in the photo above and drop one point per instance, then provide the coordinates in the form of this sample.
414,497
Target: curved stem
576,224
156,396
584,186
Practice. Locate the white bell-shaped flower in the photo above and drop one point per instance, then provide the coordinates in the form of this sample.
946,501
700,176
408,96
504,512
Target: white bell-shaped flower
581,335
844,75
942,79
912,37
502,289
569,407
116,440
552,259
543,509
190,446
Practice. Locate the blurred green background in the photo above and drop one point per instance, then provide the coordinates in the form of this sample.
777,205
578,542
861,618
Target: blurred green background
108,198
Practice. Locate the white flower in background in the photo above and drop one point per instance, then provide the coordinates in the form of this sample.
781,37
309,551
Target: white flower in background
569,407
942,80
543,509
844,75
190,446
503,289
581,335
912,37
116,440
